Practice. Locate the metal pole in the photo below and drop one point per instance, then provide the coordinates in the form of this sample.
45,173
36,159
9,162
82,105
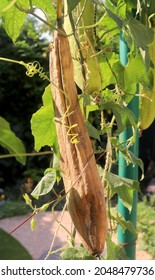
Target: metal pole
126,239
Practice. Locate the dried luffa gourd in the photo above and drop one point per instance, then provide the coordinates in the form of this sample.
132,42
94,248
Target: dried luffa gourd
84,193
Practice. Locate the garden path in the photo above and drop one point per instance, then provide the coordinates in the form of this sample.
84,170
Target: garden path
38,241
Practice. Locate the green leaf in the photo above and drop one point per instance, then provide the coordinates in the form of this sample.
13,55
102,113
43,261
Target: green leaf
106,74
115,252
115,18
4,5
125,225
124,116
124,187
43,125
93,132
13,20
135,160
142,35
121,9
46,6
91,108
134,73
83,254
11,142
76,253
69,254
72,4
57,168
45,185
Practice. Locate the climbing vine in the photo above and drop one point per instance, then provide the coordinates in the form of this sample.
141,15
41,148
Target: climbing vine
105,88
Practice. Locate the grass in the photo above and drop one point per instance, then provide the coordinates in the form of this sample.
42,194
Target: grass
11,249
146,225
14,208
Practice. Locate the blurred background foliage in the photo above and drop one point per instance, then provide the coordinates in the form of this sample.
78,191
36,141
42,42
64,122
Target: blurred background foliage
20,97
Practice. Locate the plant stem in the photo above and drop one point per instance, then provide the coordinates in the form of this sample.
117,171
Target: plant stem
11,60
59,10
26,154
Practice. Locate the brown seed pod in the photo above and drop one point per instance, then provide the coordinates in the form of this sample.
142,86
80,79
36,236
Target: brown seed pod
84,191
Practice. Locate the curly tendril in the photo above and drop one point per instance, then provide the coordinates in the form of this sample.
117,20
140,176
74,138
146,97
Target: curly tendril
35,68
74,136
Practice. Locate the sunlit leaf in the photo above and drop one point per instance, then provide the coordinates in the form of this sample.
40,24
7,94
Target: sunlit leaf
115,18
69,254
43,125
134,72
114,251
125,225
142,35
45,6
11,142
76,253
124,116
13,20
135,160
45,185
124,187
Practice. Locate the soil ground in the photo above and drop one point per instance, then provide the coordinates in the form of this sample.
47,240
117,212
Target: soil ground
38,242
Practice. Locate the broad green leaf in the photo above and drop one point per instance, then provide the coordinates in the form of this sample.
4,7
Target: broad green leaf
14,17
76,253
11,142
6,5
135,160
121,9
13,20
83,254
106,73
72,4
46,6
111,69
125,225
45,185
93,132
91,108
43,125
134,73
69,254
115,252
107,23
115,18
124,116
142,35
124,187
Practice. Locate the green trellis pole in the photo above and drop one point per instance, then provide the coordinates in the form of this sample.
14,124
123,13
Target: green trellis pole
126,239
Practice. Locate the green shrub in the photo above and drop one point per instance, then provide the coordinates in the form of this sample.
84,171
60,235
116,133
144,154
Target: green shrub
12,208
